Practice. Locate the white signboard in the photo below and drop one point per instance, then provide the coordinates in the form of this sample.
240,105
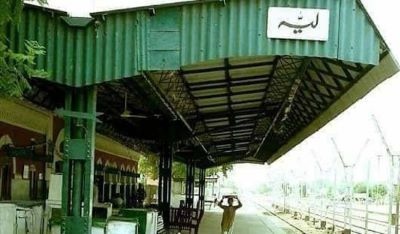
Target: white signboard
298,23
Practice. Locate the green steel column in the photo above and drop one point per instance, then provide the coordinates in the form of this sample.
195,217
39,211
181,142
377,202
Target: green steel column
202,187
78,161
164,181
190,182
167,134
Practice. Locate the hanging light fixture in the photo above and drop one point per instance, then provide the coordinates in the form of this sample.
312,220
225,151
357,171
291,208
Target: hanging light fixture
127,113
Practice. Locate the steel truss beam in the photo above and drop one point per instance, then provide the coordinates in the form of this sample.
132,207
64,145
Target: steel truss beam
239,66
238,113
330,73
249,80
229,93
250,101
289,99
268,88
228,80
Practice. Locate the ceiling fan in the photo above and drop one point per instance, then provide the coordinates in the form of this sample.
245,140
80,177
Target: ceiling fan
127,113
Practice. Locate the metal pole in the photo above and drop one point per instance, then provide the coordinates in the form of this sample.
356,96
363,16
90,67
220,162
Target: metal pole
77,132
396,228
389,153
390,195
346,171
367,198
284,196
334,198
164,188
351,196
190,182
78,167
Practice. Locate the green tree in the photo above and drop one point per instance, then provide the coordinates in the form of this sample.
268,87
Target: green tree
360,188
224,169
378,191
16,68
178,170
148,166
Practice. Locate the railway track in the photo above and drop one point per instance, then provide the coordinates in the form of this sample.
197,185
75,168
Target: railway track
270,212
357,221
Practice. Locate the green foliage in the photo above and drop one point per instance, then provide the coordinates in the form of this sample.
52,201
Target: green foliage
15,68
378,191
10,11
148,166
360,188
178,170
224,169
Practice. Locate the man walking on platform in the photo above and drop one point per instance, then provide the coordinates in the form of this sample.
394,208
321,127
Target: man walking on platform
228,216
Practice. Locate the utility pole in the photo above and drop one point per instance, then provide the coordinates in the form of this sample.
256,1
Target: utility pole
349,169
391,167
367,198
334,199
324,173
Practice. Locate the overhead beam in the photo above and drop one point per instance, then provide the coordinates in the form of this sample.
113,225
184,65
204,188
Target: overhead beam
230,93
249,101
298,75
331,74
268,88
250,121
240,112
221,68
173,111
356,68
215,84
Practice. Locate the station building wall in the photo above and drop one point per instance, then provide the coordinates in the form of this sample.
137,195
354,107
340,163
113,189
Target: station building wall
22,122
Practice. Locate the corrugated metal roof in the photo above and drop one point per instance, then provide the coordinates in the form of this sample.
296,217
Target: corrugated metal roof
296,86
80,56
123,44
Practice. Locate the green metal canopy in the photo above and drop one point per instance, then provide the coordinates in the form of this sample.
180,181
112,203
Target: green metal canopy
242,96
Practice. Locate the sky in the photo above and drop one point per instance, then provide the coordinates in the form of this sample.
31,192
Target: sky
354,131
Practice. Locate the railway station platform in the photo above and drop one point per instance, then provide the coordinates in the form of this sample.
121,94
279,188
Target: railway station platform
249,219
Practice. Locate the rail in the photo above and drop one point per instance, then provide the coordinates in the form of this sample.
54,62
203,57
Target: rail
335,214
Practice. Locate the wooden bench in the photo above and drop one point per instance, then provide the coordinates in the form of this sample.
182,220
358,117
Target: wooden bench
184,218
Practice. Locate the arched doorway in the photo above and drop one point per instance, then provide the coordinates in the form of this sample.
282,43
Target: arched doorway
5,169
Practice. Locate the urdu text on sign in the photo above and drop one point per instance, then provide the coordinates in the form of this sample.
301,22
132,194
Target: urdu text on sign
298,23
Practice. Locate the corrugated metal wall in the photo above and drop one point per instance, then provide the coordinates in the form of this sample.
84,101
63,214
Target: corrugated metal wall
211,31
119,45
103,51
239,29
358,41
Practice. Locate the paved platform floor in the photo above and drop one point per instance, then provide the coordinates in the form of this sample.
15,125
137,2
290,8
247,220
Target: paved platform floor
250,219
